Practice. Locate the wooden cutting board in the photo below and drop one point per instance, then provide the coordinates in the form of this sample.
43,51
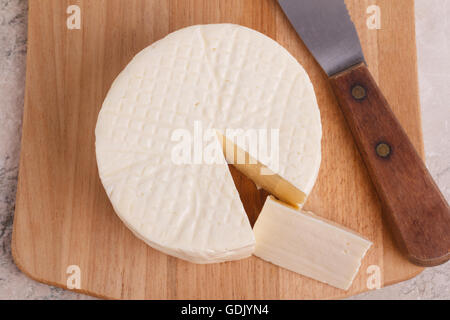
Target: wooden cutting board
63,216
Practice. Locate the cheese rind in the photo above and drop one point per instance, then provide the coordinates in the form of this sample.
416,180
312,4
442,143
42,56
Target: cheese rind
225,77
309,245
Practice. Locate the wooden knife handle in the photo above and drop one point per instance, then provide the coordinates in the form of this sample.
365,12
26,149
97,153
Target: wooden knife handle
414,208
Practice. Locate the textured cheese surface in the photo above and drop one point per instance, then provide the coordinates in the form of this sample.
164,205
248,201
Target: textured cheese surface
227,77
308,245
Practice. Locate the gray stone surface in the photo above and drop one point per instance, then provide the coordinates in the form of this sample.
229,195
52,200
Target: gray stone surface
433,24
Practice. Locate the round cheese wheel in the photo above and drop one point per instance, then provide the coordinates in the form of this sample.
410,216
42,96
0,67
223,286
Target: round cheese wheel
156,117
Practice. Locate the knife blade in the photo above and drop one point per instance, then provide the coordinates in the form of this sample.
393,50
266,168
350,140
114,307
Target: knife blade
326,29
415,209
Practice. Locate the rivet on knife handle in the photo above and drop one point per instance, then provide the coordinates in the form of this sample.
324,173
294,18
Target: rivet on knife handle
417,212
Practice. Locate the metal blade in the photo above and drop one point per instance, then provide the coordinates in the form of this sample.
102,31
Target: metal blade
328,32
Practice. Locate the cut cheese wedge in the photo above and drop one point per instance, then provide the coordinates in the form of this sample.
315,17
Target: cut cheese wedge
309,245
219,76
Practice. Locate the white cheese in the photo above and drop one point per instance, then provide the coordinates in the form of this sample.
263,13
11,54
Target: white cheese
222,76
309,245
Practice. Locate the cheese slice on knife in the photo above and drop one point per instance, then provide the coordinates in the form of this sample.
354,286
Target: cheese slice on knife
196,79
309,245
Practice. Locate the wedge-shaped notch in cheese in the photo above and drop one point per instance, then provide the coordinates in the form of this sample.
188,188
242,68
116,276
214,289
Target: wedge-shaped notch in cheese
309,245
260,174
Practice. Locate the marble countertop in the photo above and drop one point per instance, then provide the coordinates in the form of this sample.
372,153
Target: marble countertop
433,40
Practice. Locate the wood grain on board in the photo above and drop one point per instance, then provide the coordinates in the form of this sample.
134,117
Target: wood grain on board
63,216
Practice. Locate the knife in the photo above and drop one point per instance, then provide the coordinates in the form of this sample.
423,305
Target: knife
416,211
